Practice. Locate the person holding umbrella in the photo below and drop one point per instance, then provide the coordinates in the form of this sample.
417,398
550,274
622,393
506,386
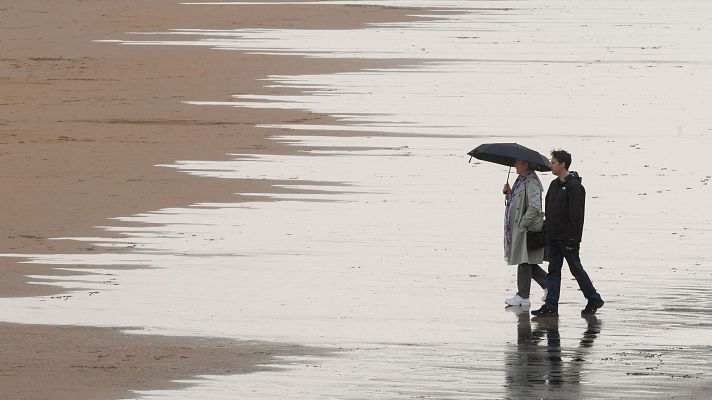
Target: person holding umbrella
523,213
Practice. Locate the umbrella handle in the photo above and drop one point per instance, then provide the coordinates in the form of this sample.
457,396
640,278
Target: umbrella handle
508,173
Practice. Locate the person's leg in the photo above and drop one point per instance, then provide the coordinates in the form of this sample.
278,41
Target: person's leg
553,278
553,281
576,268
539,275
524,280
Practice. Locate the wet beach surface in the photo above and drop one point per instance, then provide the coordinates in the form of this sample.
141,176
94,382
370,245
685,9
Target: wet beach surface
94,362
390,249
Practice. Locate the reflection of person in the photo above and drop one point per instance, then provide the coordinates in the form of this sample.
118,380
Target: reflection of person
523,213
539,366
565,201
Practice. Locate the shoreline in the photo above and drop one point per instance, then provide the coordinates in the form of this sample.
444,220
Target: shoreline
90,121
84,125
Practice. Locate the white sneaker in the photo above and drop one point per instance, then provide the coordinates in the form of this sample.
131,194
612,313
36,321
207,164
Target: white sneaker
543,298
517,301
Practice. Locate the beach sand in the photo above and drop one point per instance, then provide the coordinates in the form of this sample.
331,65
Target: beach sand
68,362
83,126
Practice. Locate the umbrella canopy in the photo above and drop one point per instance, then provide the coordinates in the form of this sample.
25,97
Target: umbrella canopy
508,153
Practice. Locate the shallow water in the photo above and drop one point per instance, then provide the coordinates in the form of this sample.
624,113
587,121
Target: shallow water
395,257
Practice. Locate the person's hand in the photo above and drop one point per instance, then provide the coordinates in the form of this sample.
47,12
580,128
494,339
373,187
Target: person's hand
506,189
571,245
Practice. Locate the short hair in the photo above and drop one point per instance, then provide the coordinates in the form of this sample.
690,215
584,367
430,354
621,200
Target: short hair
562,156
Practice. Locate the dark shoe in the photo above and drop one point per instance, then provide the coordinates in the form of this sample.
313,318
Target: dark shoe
592,307
545,311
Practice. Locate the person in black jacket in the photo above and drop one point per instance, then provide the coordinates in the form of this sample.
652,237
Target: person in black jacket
564,211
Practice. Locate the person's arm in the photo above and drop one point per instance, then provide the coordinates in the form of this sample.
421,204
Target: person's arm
547,204
533,205
577,206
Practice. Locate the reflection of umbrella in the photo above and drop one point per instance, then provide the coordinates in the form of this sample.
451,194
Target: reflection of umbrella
508,153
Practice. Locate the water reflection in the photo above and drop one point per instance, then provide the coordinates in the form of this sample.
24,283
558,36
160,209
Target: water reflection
539,366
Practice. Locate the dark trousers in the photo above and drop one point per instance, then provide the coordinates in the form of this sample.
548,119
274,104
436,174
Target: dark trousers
557,254
525,274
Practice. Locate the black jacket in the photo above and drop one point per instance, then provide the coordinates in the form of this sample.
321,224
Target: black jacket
565,204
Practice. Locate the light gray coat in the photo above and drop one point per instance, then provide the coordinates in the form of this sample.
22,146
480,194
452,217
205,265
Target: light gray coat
521,221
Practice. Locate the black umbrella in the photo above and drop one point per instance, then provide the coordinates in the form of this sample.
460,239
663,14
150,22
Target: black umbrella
508,153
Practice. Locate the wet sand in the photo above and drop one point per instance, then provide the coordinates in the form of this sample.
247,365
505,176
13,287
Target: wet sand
84,123
67,362
389,268
82,127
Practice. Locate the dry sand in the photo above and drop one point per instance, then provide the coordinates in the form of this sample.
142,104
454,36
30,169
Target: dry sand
82,126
